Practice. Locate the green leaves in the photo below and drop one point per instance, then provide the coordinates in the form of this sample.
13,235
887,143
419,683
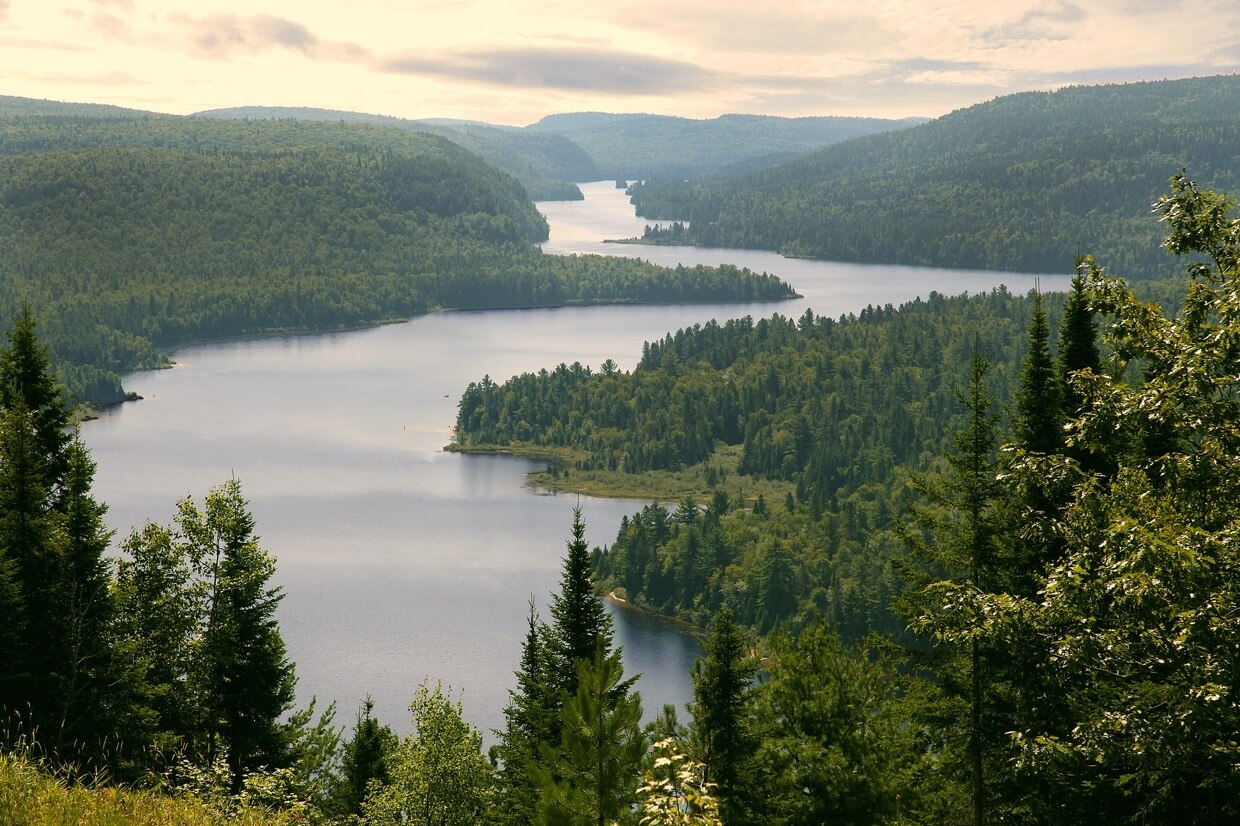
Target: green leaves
438,775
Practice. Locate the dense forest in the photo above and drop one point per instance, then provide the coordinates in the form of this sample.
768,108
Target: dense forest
545,164
129,235
638,147
1021,183
1062,593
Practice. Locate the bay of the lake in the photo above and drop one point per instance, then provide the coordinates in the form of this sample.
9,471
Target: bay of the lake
399,562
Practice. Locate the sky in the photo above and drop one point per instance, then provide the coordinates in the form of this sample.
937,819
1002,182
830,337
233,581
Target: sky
512,62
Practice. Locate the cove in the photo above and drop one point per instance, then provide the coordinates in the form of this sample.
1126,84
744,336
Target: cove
401,562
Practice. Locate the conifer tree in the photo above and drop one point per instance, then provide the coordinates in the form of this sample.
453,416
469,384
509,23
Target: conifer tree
26,376
1038,399
85,606
1078,342
27,535
722,738
579,622
957,567
1078,351
530,721
242,666
366,758
592,778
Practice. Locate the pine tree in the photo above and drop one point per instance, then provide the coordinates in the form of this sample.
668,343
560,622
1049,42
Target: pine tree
579,622
245,675
959,568
1038,399
592,778
26,376
366,758
530,722
722,739
85,605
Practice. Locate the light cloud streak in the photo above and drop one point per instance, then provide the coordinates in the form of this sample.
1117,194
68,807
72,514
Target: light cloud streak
508,62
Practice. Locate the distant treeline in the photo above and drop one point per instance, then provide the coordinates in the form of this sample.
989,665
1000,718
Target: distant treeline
129,235
1020,183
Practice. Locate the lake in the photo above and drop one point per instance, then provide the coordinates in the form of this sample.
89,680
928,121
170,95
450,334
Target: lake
402,563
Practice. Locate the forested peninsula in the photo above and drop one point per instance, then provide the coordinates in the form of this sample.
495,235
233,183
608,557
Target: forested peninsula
130,233
1021,183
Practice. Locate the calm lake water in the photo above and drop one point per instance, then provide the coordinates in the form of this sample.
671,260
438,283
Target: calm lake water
400,562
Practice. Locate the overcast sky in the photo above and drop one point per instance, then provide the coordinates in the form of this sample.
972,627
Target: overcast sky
506,61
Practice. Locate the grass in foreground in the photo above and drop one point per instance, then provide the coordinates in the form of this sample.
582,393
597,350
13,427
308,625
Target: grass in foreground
30,796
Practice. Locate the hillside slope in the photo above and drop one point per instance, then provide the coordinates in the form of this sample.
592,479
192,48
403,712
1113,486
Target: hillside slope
131,235
1017,183
545,164
633,146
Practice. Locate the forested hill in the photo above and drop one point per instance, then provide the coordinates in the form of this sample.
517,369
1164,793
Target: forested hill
1019,183
634,146
128,235
837,410
546,164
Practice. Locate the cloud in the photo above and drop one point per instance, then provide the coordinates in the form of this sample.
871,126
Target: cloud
595,70
742,28
223,35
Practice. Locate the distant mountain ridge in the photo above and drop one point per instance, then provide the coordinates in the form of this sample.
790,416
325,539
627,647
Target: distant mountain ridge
1017,183
642,146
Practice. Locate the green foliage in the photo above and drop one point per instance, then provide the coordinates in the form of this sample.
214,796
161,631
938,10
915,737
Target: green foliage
543,163
675,791
438,775
239,659
579,623
832,410
591,778
1038,423
1138,617
722,737
31,795
132,234
1018,183
831,750
366,760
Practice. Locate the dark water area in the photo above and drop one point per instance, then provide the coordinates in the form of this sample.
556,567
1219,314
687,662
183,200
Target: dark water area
399,562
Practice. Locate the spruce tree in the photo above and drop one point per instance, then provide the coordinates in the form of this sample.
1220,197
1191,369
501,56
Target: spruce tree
579,622
85,605
27,377
366,758
956,568
721,735
592,778
243,668
530,722
1038,425
1078,351
28,531
1078,343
